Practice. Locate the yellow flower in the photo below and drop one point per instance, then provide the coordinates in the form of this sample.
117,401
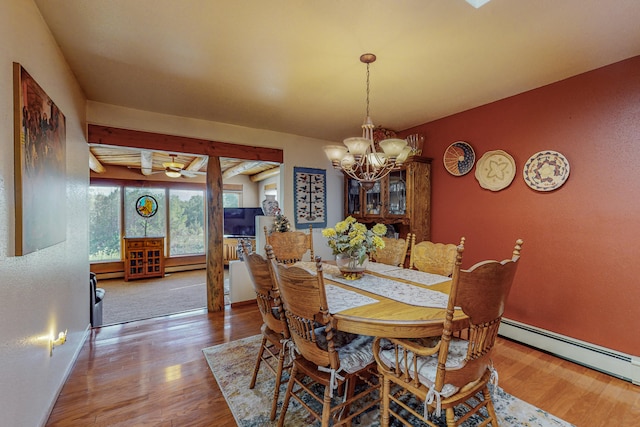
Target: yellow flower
356,240
378,242
380,229
342,226
360,228
329,232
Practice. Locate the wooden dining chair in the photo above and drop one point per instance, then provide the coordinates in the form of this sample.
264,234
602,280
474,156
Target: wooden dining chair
326,359
272,353
394,251
436,258
447,372
290,246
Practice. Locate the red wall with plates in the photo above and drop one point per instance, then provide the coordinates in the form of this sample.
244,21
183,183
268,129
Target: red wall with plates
580,269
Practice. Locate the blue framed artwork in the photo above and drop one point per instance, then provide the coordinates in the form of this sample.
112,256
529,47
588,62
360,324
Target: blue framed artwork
310,201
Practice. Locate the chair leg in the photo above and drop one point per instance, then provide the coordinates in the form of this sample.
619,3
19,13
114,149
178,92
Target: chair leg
257,367
451,418
490,409
326,407
276,392
287,396
384,403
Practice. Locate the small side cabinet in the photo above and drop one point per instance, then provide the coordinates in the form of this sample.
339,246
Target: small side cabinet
144,257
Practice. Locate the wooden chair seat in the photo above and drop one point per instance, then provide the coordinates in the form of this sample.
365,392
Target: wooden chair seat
426,366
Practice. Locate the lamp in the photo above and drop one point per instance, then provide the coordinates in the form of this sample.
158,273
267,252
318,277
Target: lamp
173,169
359,158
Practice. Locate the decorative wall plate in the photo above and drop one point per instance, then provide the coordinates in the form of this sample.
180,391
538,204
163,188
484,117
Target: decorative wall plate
459,158
495,170
546,170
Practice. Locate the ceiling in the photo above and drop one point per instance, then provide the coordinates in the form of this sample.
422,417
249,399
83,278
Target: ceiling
148,162
293,66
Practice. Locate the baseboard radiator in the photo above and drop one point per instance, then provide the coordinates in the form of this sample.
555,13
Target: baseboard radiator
602,359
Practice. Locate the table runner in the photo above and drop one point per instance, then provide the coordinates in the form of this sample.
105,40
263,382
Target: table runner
384,285
415,276
340,299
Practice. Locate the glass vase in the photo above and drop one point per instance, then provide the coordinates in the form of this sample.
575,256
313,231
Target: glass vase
350,265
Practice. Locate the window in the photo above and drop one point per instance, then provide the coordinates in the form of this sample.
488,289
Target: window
232,195
105,223
186,222
138,226
271,190
181,217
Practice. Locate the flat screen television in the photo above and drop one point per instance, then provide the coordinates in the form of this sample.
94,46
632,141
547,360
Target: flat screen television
240,222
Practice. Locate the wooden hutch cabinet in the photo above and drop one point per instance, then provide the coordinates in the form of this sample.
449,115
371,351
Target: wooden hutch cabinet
401,199
143,257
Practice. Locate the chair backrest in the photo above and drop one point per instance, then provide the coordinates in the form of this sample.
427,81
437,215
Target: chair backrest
481,292
436,258
266,288
393,253
306,310
290,246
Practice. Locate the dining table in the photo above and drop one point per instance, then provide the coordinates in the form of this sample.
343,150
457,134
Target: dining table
388,301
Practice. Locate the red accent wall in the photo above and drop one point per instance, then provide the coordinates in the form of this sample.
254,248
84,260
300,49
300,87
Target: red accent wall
580,269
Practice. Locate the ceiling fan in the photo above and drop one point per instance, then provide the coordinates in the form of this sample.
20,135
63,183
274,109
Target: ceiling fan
175,169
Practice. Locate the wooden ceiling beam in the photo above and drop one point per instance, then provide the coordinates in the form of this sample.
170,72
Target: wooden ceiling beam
239,168
171,143
95,165
197,163
146,162
265,174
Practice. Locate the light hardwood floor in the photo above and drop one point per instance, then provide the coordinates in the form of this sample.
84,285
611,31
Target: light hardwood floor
152,373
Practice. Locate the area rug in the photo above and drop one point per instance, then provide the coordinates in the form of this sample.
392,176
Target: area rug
232,365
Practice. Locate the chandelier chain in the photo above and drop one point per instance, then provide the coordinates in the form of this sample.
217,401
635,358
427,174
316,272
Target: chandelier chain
368,89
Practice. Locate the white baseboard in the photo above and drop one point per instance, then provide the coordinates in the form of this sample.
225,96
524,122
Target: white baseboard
602,359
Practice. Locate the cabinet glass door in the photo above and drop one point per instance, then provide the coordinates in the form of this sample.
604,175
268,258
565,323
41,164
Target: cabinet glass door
353,197
373,200
397,192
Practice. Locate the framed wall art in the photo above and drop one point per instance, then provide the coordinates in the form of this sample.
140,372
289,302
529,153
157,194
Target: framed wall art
310,197
40,166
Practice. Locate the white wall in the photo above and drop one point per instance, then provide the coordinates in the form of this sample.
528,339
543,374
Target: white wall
47,291
250,191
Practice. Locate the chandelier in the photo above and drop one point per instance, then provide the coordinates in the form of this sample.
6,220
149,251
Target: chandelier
359,158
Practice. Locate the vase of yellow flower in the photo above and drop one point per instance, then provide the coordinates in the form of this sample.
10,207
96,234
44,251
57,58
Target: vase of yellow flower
352,242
